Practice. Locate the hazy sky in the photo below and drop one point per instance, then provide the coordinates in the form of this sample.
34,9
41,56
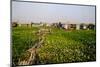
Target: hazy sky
36,12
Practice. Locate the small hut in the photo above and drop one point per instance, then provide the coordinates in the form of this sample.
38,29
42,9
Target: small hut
71,25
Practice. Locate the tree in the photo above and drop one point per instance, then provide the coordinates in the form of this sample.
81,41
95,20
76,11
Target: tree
14,24
91,26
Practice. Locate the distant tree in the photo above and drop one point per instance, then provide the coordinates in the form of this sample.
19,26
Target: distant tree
91,26
82,26
14,24
73,26
59,25
32,24
40,22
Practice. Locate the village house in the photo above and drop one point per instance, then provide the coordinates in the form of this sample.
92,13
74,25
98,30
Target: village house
36,24
76,26
25,24
70,25
66,25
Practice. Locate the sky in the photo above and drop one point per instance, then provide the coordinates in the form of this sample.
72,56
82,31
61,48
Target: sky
43,12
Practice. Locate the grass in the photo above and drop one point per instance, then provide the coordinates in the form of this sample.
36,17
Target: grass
59,46
68,46
23,38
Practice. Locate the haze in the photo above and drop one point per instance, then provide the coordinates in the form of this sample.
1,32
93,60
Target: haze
42,12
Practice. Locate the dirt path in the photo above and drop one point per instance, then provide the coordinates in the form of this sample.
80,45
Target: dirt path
31,55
